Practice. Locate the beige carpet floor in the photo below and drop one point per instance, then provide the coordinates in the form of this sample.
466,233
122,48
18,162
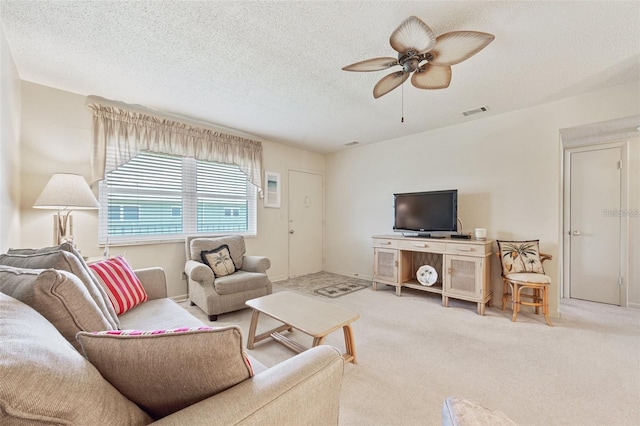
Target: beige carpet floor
413,353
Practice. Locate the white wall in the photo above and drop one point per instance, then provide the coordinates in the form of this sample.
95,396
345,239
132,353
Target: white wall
10,100
56,137
506,169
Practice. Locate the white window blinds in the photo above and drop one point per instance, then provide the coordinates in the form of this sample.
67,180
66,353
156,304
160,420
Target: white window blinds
161,197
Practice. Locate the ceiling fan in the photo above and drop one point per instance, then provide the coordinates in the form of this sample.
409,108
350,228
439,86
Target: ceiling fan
420,52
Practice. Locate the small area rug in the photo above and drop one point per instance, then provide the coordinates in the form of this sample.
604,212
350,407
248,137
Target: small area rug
338,290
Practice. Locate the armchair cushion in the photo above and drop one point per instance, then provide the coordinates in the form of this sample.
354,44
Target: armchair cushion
239,282
520,256
120,282
59,296
219,260
46,381
179,367
529,278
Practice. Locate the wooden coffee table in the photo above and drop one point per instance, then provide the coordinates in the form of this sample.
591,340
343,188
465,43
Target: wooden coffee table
312,317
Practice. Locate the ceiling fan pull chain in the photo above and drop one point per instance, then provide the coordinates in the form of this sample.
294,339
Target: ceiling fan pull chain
402,119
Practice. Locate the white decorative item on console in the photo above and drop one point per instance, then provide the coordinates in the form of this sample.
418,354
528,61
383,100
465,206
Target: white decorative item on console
427,275
480,233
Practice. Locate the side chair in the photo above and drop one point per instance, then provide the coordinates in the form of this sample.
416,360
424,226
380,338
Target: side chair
522,269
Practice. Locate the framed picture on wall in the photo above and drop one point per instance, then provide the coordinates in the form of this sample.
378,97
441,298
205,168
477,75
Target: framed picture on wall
272,192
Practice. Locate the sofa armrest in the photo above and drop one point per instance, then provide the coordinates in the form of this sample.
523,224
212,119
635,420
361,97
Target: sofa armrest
255,264
198,272
303,390
154,282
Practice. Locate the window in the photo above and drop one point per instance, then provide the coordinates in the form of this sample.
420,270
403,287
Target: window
161,197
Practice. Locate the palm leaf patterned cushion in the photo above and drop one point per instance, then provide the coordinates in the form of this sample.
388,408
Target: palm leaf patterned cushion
219,260
520,256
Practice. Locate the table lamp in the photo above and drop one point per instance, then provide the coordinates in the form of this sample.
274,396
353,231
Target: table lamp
65,192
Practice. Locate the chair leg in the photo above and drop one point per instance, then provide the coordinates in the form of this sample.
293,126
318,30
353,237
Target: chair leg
213,318
505,293
545,306
516,301
537,299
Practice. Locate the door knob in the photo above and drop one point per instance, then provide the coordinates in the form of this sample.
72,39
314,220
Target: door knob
576,233
292,232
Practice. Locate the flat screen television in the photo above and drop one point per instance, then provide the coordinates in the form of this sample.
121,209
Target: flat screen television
420,213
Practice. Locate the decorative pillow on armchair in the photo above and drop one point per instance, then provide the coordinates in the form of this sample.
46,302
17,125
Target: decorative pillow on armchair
219,260
520,257
179,368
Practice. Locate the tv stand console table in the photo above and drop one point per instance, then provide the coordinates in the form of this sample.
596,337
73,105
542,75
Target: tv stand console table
463,266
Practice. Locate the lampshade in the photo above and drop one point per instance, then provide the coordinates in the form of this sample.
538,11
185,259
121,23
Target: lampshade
66,191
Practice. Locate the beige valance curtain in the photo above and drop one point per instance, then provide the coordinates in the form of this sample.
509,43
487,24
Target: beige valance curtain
119,134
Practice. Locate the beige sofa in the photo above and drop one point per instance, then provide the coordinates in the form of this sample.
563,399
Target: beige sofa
47,380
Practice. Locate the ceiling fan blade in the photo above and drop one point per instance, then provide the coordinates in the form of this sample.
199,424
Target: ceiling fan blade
457,46
375,64
389,82
431,77
412,35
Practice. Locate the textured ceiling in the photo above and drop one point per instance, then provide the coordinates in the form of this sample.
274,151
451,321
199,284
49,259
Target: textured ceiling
273,69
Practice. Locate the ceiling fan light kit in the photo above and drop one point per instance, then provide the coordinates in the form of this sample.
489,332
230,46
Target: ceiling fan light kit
420,52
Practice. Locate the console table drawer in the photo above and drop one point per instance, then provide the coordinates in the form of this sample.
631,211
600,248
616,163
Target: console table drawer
461,248
377,242
429,246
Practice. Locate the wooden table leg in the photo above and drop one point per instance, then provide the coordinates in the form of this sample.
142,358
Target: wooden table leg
251,339
350,355
317,341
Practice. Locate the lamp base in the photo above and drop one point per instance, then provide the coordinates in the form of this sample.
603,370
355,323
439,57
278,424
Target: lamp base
63,234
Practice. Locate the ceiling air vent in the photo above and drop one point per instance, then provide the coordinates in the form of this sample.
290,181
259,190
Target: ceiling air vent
351,143
476,110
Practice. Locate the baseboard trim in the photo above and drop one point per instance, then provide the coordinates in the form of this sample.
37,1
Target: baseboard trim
634,305
350,274
278,278
180,298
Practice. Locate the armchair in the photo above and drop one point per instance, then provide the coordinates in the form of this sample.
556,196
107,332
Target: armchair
218,295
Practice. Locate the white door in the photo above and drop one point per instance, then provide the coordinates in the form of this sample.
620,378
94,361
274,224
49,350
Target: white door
305,223
595,225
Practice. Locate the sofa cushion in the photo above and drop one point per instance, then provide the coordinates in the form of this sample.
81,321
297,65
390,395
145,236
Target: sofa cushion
59,296
520,256
65,258
157,314
219,260
178,369
122,285
44,380
239,282
235,243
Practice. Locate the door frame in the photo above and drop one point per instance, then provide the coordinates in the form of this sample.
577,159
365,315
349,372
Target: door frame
624,222
312,172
